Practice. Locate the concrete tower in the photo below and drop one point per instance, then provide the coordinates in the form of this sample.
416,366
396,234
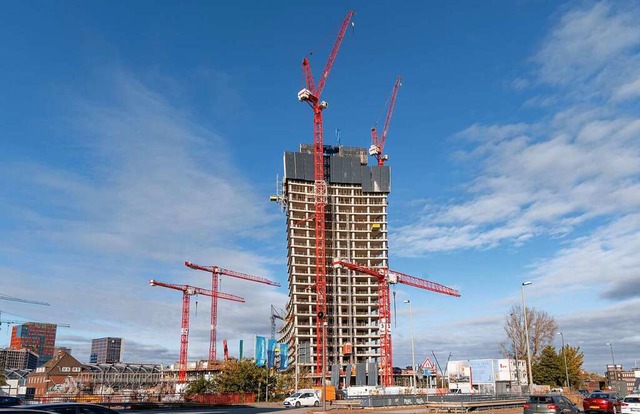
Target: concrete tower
356,231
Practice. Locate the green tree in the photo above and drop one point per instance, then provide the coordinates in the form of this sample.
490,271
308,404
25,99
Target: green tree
547,369
242,376
200,386
575,359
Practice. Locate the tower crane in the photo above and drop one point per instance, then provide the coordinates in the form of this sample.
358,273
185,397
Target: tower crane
59,325
377,142
14,299
187,292
386,277
215,276
275,314
311,94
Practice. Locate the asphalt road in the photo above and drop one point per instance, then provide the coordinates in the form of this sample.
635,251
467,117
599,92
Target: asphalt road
259,408
256,408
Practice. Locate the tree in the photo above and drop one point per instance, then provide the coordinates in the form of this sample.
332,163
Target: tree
547,369
575,359
242,376
542,330
200,386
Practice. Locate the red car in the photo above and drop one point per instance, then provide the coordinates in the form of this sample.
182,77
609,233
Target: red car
601,402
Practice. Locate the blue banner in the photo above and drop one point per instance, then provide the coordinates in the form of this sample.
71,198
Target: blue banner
261,351
284,357
271,353
241,349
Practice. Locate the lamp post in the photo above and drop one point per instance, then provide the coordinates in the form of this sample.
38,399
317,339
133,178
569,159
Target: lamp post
613,361
564,354
526,335
413,350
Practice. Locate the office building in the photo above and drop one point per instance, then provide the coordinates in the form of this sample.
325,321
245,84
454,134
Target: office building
106,350
18,359
37,337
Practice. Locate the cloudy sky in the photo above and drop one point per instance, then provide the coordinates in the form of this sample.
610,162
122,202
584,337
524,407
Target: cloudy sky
140,135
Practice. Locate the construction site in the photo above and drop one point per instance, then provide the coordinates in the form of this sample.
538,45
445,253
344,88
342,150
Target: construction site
337,322
338,317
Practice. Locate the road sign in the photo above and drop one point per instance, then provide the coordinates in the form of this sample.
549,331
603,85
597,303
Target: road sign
427,364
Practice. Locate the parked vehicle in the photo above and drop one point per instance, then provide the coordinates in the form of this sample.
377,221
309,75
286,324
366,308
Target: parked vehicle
8,401
607,402
300,399
550,404
630,404
70,408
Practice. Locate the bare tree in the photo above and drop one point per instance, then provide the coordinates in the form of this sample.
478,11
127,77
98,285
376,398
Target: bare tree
542,330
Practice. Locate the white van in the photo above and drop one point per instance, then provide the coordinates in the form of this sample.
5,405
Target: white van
302,398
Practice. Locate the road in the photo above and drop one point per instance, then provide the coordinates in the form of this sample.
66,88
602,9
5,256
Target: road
259,408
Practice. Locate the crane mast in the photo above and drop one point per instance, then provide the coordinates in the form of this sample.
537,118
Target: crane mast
216,271
187,292
385,278
311,94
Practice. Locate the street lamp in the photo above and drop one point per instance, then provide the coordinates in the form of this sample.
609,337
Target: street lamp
526,334
564,354
612,358
413,352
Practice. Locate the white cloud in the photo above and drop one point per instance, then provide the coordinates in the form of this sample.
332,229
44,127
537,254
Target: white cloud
585,41
548,177
153,188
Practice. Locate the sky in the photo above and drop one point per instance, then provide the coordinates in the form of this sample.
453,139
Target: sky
136,136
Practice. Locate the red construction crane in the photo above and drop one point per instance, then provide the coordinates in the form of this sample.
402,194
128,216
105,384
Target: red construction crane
215,275
385,277
187,292
377,142
311,95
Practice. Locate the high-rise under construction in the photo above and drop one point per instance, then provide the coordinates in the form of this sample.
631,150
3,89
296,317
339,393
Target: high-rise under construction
356,231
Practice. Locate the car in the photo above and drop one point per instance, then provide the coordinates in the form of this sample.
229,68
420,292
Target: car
21,410
9,401
550,404
299,399
606,402
630,404
70,408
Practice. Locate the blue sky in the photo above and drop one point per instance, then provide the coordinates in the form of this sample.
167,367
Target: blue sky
139,135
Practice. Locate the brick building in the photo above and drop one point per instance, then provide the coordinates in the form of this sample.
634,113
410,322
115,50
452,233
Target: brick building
37,337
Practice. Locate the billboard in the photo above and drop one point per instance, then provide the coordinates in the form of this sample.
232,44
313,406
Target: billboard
458,371
482,371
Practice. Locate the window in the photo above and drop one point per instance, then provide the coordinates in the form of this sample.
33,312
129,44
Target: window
76,369
65,369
